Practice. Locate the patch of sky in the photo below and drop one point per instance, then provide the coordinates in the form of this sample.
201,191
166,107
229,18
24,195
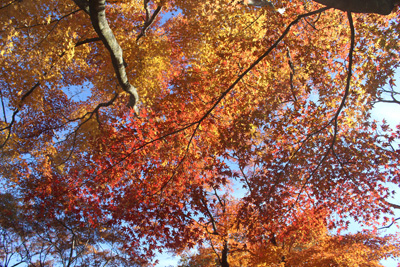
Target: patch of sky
168,15
390,112
79,92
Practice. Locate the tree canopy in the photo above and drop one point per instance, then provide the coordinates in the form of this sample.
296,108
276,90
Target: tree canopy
130,125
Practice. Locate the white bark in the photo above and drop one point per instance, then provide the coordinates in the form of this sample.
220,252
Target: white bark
97,11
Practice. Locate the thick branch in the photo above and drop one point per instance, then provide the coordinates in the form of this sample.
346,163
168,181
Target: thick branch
383,7
97,13
258,3
224,256
395,206
83,4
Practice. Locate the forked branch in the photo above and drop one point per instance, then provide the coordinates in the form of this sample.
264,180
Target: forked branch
97,12
149,20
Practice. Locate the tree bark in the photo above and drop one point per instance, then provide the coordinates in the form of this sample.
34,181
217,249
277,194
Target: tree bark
258,3
97,10
224,256
383,7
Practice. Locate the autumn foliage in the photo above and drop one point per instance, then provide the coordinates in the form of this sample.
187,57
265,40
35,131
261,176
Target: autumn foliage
243,130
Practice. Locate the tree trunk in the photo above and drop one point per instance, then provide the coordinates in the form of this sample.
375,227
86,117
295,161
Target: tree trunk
224,256
383,7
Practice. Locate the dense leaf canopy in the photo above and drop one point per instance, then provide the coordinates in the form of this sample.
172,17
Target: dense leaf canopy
132,124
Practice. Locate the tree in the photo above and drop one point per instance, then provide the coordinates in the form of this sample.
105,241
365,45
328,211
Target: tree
305,242
232,93
27,238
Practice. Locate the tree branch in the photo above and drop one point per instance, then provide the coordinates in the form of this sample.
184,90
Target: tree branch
86,41
395,206
341,106
257,3
10,3
83,4
214,226
91,113
97,11
388,226
382,7
149,20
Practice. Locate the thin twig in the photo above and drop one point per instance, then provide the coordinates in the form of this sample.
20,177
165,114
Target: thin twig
12,2
292,73
388,226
